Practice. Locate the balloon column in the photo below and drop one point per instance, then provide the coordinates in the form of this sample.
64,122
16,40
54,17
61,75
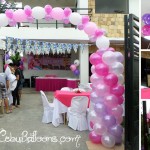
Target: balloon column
146,28
107,96
74,69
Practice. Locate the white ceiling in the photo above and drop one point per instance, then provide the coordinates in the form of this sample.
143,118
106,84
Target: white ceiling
53,3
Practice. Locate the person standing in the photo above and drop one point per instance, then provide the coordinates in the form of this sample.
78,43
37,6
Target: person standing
4,91
15,93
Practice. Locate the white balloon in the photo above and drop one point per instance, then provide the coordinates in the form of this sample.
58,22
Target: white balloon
76,62
108,140
119,57
109,57
38,12
117,68
75,18
3,20
120,79
102,42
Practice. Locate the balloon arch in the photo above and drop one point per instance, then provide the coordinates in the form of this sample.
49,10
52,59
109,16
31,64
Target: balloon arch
105,114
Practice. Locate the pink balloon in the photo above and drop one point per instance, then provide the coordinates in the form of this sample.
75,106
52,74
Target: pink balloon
90,28
111,79
12,23
66,21
100,51
93,69
102,89
48,9
98,33
92,38
94,137
146,30
95,59
111,100
57,13
48,17
19,15
73,67
101,69
9,13
99,129
80,26
120,100
117,90
67,11
28,10
85,19
111,49
119,120
96,79
30,19
116,111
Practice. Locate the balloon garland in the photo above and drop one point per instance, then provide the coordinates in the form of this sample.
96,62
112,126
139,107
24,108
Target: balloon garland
107,80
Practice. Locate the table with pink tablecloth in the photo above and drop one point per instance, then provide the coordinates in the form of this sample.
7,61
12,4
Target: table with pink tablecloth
65,97
72,83
62,100
49,83
53,83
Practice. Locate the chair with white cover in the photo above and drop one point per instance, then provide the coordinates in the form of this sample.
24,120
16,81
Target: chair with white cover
66,89
48,109
77,113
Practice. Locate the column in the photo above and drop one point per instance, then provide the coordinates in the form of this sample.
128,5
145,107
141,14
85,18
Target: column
84,65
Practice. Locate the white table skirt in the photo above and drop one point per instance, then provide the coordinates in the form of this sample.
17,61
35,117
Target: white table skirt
59,109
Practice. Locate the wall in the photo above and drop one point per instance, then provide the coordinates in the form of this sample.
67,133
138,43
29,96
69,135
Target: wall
59,73
113,23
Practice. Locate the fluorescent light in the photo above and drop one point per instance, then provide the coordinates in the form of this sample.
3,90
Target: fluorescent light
147,37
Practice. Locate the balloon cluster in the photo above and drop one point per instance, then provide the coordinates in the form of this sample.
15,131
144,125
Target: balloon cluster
107,96
74,69
146,28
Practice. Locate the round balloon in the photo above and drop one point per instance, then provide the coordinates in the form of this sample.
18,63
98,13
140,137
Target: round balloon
77,62
108,140
90,28
108,57
95,59
102,42
119,57
38,12
3,20
109,120
101,69
99,129
57,13
75,18
19,15
111,79
116,130
95,138
117,68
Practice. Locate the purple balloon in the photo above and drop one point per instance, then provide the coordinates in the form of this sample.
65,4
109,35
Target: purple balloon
80,26
7,56
76,72
66,21
109,120
94,137
119,56
9,13
100,109
116,111
118,140
116,130
144,17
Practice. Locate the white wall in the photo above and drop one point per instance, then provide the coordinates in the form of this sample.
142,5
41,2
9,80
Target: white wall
134,7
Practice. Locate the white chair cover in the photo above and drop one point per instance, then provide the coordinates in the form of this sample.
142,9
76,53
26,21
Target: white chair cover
66,89
48,109
77,113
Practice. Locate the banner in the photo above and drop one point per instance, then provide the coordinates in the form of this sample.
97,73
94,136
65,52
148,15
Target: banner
46,62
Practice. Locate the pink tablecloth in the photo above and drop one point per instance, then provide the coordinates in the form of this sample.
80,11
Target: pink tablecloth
65,97
72,83
49,84
145,93
54,83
